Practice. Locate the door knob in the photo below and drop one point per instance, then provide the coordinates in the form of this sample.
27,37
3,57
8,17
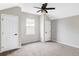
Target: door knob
15,34
45,32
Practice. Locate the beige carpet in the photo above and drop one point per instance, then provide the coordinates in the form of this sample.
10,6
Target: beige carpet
46,49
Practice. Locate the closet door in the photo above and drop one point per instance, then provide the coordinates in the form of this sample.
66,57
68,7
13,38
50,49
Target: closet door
47,30
9,32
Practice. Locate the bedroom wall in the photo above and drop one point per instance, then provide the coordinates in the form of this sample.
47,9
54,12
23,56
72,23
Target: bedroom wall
29,38
22,36
68,31
54,30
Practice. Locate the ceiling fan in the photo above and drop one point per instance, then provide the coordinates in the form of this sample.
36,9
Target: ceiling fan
43,8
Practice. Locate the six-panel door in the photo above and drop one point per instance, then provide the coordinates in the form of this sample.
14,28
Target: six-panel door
9,32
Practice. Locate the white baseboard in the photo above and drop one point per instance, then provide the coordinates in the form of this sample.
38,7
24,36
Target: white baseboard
76,46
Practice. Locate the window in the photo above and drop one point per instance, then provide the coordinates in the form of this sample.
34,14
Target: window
30,26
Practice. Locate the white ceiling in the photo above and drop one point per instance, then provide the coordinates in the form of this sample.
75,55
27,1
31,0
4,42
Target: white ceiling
62,9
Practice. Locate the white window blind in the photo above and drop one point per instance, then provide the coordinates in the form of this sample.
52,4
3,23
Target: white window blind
30,26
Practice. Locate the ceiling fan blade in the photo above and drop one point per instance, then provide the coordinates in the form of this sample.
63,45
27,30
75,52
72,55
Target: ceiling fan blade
38,11
50,8
37,7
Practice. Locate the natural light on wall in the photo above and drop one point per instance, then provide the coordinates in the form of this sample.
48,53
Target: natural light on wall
30,26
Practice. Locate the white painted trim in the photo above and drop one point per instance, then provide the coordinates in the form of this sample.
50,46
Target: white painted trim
72,45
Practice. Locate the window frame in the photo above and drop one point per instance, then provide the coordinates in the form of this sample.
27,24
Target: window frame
30,26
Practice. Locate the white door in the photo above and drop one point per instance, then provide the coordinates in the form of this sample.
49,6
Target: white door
47,30
9,32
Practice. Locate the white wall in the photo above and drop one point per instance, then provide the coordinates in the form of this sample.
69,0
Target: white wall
23,37
68,31
29,38
54,30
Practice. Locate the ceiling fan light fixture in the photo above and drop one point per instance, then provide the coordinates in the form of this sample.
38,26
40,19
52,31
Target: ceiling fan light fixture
43,8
